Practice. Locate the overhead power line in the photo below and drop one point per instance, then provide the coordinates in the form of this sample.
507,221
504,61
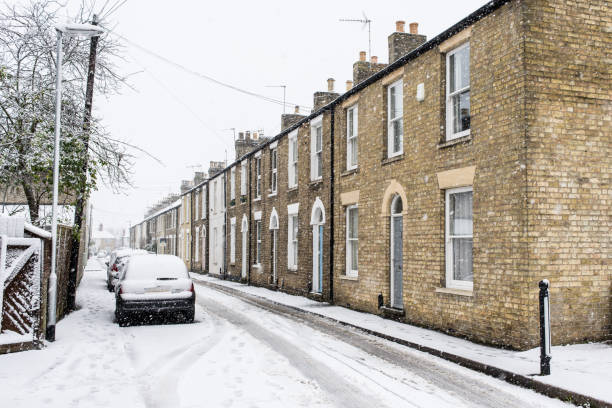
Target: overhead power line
208,77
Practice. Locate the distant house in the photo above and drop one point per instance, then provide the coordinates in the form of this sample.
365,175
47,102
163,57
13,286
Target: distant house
103,240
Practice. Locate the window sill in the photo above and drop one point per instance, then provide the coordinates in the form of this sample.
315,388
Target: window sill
458,292
349,172
272,195
292,269
257,266
393,159
257,199
316,182
349,278
453,142
292,189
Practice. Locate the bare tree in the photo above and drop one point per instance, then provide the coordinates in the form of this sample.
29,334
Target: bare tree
27,107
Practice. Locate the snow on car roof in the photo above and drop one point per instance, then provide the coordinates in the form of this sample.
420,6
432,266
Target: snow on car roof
147,266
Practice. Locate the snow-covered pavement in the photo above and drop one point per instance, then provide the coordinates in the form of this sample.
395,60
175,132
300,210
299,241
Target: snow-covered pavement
236,355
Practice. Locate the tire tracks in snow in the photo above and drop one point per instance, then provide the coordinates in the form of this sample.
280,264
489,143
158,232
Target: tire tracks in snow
158,381
339,391
474,389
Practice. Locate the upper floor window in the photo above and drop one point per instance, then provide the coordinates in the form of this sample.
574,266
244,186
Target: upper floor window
459,238
458,92
204,201
273,171
316,151
351,137
243,178
293,158
258,180
395,122
215,198
233,183
197,206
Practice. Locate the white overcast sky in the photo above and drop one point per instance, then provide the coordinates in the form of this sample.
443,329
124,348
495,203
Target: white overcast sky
181,119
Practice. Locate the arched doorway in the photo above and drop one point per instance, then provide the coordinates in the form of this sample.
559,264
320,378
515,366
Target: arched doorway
274,239
244,230
397,246
317,220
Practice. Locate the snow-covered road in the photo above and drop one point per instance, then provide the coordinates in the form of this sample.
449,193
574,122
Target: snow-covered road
237,354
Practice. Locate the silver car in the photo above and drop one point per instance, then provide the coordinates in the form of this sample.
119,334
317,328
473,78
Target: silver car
154,284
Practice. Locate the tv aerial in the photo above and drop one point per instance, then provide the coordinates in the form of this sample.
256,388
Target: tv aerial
366,22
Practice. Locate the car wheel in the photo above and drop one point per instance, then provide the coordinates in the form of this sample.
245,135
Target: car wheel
189,316
121,318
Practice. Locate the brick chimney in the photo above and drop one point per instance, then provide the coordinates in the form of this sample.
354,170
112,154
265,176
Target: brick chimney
215,168
401,43
198,177
288,119
363,69
246,142
349,85
185,185
321,99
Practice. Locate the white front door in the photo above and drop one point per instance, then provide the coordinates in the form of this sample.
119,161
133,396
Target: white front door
244,253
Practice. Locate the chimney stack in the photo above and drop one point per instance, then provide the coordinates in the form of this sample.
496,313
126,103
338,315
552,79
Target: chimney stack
401,43
288,119
330,84
349,85
363,69
321,99
241,135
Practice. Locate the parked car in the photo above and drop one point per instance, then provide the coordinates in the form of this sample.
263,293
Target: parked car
118,258
154,284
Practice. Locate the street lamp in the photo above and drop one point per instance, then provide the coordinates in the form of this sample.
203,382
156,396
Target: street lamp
72,30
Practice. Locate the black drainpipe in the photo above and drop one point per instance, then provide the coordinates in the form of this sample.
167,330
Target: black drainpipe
248,159
331,209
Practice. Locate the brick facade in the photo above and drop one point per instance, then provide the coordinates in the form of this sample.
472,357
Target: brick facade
536,161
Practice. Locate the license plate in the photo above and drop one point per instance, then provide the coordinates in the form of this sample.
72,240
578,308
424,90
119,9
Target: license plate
158,289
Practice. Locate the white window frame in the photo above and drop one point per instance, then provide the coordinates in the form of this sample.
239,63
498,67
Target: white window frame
450,281
215,245
449,106
292,160
197,205
204,195
243,178
398,86
215,199
351,134
292,236
273,171
233,240
349,259
316,154
258,183
197,244
233,183
258,242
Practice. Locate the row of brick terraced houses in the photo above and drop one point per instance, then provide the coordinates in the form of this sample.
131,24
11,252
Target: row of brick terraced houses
438,189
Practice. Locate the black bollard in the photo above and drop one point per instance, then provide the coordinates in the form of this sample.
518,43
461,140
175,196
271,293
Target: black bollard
544,328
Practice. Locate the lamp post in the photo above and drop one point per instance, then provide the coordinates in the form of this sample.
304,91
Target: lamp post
73,30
